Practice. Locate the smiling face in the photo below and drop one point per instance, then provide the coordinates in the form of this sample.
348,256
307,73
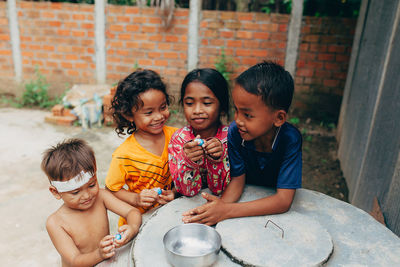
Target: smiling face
81,198
202,109
152,115
253,117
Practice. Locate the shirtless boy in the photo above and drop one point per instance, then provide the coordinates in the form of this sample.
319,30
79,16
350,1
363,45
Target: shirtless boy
79,229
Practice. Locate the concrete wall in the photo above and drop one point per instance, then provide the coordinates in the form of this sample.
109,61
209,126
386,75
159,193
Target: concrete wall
369,127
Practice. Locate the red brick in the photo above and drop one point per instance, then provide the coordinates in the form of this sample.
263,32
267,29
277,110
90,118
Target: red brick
234,43
332,66
226,34
261,35
311,38
342,58
57,110
336,49
132,28
305,72
116,28
331,83
244,34
326,57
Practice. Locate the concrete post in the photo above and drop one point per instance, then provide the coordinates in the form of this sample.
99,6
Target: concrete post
193,34
15,39
294,36
100,41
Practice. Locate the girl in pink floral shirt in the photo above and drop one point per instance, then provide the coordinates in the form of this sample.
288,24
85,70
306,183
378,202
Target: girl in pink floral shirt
193,166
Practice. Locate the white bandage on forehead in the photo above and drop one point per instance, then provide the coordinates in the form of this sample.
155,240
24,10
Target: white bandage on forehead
73,183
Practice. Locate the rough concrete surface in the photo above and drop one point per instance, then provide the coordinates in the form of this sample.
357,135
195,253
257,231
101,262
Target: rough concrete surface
25,201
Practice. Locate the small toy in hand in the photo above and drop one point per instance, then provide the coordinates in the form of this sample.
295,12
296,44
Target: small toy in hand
118,236
158,190
199,141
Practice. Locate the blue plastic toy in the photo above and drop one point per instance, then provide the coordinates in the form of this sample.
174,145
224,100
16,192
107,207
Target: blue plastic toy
158,190
118,236
200,142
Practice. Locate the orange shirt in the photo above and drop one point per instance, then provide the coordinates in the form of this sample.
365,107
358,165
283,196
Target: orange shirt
139,169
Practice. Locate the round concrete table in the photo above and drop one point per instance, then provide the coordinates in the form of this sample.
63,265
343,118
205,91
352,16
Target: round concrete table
358,239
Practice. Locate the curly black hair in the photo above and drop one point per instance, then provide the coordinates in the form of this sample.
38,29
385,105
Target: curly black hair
127,97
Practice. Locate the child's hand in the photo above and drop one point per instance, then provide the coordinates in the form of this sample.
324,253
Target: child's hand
147,197
127,232
213,148
107,247
193,151
166,196
209,213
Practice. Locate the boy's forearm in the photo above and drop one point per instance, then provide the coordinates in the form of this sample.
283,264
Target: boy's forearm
275,204
134,220
127,196
234,189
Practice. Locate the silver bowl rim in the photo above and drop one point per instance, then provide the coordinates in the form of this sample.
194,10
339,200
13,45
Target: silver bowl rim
219,242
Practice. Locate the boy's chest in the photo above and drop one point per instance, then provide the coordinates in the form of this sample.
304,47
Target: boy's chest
88,228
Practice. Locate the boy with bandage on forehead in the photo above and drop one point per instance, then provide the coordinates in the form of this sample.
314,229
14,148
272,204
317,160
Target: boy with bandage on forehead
79,229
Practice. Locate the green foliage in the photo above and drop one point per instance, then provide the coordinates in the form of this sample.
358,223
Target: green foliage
225,65
36,93
284,6
9,101
294,120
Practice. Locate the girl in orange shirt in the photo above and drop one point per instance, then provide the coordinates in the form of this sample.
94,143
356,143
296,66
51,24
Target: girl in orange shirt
140,107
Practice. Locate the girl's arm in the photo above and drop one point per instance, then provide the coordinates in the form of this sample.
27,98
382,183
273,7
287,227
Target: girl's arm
132,215
69,252
184,172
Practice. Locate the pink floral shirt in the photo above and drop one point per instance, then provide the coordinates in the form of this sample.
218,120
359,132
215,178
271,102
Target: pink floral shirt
189,176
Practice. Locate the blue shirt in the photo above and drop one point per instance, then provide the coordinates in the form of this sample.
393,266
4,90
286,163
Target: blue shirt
280,168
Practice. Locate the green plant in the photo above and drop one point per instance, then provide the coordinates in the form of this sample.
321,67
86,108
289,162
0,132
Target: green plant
225,65
10,101
36,93
294,120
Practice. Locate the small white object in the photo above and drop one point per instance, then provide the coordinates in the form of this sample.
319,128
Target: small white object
72,184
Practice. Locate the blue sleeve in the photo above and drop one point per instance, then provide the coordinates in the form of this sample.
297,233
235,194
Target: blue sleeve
234,147
291,167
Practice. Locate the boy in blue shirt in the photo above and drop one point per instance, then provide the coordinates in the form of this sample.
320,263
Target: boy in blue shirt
263,148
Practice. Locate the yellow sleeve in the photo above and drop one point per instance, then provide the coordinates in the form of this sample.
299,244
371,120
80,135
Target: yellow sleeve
116,176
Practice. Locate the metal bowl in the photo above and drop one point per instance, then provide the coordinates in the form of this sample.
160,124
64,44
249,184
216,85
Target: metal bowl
192,245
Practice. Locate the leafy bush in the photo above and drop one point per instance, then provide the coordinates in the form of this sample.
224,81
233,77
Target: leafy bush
36,93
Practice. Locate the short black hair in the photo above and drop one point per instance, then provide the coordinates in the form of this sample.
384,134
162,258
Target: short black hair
214,80
68,158
127,97
271,81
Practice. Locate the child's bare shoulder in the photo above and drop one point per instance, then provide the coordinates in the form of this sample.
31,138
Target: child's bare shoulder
56,219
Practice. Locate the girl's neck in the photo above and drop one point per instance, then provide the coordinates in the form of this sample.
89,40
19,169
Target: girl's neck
152,143
209,132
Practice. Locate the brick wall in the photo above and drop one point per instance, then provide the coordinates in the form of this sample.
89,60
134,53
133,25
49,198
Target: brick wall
322,64
136,36
59,38
324,54
6,61
248,38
